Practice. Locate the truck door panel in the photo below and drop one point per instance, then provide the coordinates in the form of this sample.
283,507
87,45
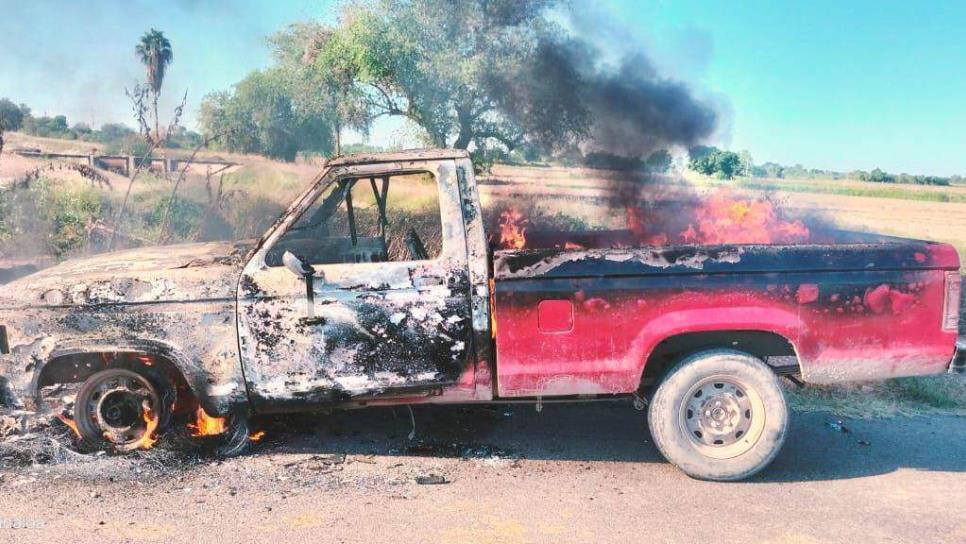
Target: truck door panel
389,308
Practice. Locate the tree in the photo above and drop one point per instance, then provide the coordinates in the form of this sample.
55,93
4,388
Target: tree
55,126
727,164
773,170
329,91
747,163
712,161
659,162
702,159
795,171
463,72
881,176
82,129
11,115
262,115
155,53
111,132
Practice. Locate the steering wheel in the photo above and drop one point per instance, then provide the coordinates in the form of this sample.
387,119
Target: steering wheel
415,246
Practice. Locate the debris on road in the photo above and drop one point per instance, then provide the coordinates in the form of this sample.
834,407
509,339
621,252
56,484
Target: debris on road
318,462
460,450
839,426
431,479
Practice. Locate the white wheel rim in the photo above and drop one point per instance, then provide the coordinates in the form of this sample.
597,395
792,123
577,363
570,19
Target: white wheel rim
722,416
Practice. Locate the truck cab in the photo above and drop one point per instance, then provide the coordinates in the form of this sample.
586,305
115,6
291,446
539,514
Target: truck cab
366,289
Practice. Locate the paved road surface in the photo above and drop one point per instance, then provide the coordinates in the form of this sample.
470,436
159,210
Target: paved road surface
576,473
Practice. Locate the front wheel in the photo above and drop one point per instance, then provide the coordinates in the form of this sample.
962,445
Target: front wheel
120,409
719,415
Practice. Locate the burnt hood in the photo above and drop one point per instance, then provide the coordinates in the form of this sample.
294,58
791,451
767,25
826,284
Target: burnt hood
183,272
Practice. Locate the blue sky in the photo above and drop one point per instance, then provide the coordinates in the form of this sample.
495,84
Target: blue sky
828,84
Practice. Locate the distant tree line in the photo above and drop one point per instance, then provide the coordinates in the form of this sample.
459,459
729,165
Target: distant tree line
712,161
116,137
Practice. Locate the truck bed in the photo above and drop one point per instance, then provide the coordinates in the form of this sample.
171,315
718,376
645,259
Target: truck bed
586,321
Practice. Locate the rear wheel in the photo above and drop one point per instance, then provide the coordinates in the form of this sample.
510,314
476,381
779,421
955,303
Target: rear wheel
118,408
719,415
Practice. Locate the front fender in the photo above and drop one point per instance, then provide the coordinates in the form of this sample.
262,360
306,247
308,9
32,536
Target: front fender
210,394
199,338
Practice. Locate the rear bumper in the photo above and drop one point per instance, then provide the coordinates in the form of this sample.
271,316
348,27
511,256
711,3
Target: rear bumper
958,364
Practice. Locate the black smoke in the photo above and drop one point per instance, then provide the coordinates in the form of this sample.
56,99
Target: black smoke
630,110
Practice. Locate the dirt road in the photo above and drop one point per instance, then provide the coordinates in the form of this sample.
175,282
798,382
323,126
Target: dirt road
573,473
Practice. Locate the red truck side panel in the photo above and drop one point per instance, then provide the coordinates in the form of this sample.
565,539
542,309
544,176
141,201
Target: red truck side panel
850,325
887,329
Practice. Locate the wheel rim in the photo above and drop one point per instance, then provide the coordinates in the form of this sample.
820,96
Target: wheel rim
122,407
722,416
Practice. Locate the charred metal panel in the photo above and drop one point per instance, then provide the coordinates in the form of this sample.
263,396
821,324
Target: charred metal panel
555,263
411,155
478,259
373,328
176,301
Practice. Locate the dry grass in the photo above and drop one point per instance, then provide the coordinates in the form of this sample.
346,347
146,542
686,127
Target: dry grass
945,394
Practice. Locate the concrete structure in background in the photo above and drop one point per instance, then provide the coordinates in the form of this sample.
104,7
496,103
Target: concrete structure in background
124,164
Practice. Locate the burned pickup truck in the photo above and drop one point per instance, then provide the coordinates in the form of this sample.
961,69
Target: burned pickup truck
380,286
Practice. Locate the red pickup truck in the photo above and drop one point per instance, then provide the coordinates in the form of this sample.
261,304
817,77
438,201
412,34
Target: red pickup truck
380,286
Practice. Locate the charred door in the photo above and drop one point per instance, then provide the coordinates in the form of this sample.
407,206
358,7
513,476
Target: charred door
377,299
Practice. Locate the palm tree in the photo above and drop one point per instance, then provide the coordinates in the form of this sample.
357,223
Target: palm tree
154,52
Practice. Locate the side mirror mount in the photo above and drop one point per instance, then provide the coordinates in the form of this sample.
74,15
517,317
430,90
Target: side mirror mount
306,272
295,265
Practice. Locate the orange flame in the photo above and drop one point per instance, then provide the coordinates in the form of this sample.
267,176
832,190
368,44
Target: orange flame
513,229
206,425
256,436
640,229
722,219
71,424
665,219
148,439
151,421
718,219
146,360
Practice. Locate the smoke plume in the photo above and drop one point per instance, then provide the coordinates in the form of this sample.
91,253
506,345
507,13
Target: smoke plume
631,109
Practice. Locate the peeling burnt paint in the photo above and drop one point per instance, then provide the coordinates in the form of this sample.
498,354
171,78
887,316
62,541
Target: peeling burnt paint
550,263
872,254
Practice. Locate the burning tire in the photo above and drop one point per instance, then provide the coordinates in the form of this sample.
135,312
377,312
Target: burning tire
224,436
118,408
719,415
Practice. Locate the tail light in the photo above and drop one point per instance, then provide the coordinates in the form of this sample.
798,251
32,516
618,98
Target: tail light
954,286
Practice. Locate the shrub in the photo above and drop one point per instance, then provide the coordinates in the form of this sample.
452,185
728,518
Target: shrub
41,219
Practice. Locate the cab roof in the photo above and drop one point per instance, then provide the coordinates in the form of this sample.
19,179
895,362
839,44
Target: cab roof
398,156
